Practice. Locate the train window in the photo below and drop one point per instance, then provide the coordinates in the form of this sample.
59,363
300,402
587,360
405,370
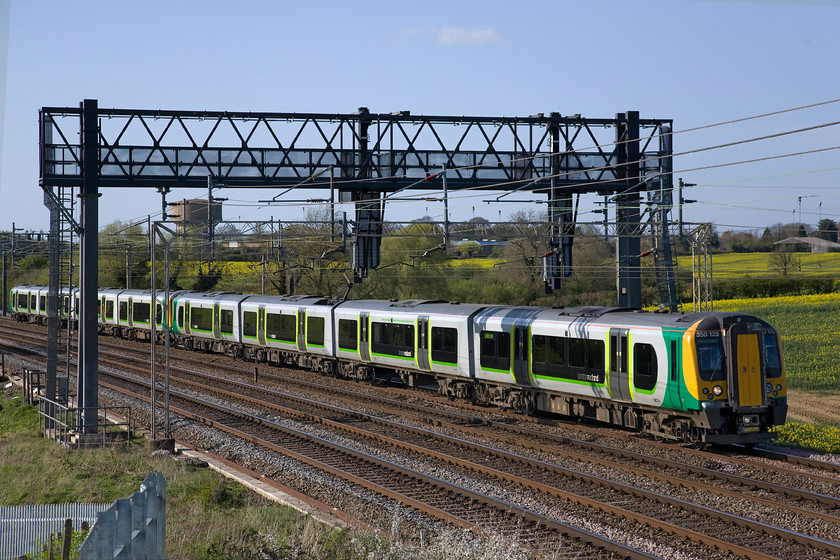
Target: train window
538,354
596,351
226,321
123,311
22,300
159,315
201,319
249,324
76,306
495,350
42,301
772,356
281,327
33,302
181,317
109,309
445,345
644,367
548,355
577,352
624,353
66,305
556,351
710,358
392,339
140,313
347,339
314,331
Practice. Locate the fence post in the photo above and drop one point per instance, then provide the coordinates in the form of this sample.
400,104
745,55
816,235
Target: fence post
67,539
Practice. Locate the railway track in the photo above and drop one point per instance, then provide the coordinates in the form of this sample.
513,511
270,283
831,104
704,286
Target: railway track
738,536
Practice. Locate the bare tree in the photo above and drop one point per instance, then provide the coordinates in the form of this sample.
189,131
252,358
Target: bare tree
783,260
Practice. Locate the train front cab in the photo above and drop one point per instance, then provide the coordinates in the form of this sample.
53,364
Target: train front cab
734,370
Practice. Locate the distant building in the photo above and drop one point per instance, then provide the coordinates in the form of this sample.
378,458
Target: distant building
194,212
485,246
808,245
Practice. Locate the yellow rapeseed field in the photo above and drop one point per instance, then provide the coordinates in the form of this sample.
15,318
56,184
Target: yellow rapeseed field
809,436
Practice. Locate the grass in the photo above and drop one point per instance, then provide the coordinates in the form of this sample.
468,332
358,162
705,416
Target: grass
208,517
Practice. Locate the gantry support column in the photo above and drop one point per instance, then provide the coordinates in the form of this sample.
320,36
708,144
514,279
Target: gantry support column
558,263
370,208
628,217
53,299
89,280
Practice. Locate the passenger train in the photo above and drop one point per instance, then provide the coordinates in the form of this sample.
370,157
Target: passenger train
706,377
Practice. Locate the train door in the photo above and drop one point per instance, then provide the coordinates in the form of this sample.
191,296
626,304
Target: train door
261,325
217,320
746,374
423,343
619,370
364,346
521,375
131,312
188,321
301,334
675,369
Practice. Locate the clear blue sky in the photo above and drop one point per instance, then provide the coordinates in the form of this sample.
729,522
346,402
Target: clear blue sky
698,62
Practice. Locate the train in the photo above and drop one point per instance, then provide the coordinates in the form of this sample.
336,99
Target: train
703,378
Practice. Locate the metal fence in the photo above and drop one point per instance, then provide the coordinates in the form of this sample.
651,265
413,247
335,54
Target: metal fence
129,529
132,528
27,529
61,423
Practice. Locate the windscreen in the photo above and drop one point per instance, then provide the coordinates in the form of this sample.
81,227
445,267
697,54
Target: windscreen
710,355
772,355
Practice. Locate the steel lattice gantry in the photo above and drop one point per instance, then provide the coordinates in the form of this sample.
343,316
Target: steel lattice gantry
370,157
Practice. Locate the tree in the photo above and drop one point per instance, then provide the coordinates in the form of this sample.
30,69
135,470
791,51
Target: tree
413,265
827,229
123,249
783,260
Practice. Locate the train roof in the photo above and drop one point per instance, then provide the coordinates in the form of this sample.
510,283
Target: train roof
416,306
298,300
608,316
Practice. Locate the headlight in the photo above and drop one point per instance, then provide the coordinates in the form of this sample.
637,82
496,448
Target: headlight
717,390
775,393
705,390
769,387
778,387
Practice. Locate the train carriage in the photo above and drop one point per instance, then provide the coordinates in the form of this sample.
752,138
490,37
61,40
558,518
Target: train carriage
208,321
421,340
19,302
